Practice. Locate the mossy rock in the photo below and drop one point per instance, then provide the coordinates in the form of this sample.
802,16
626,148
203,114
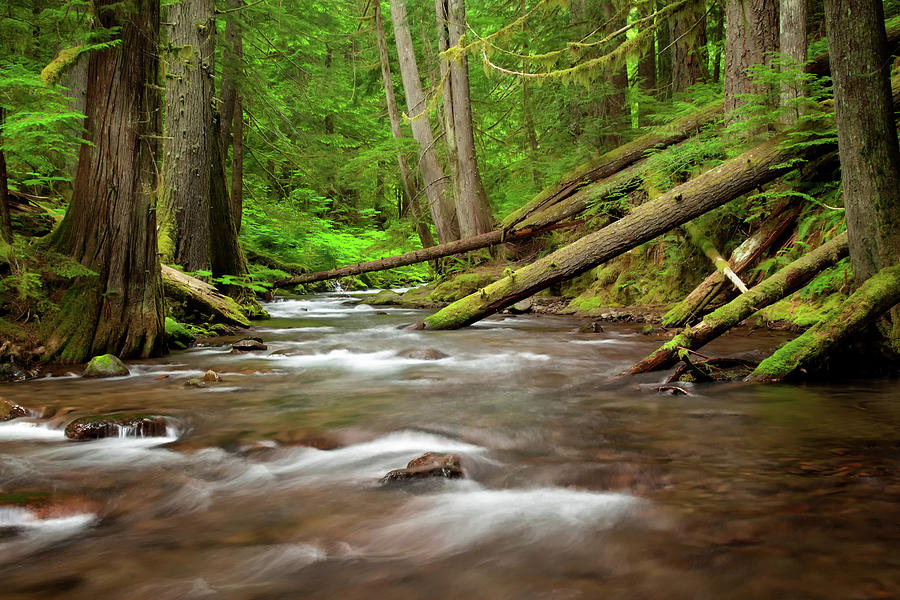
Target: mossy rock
10,410
106,365
460,287
385,297
178,336
102,426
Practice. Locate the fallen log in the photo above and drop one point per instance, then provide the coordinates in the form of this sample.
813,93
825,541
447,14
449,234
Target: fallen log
875,297
484,240
614,161
780,285
701,194
202,297
764,238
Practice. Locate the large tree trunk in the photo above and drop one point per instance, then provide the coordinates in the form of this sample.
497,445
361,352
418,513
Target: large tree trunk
440,198
857,313
688,30
190,28
110,225
232,110
406,178
780,285
448,121
792,39
646,72
6,233
687,201
751,32
764,238
472,208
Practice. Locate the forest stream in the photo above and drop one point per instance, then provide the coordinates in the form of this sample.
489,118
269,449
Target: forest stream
577,485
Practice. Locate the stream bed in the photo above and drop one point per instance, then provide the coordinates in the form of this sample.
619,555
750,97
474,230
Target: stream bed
578,485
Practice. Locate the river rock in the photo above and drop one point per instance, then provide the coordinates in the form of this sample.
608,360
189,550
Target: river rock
593,327
430,465
10,372
211,377
103,426
106,365
249,344
10,410
423,354
520,308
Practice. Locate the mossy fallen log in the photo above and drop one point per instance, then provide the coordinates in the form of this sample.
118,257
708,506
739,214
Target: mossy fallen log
614,161
202,297
764,238
780,285
875,297
701,194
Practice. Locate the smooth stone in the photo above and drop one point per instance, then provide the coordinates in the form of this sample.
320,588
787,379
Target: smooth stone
211,377
430,465
249,344
520,308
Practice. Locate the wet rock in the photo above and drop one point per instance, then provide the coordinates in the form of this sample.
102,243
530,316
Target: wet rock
385,297
430,465
593,327
520,308
10,410
103,426
249,344
211,377
106,365
195,382
423,354
417,326
381,312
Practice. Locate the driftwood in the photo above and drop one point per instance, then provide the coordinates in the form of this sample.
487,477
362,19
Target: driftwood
780,285
763,239
856,314
202,297
676,207
484,240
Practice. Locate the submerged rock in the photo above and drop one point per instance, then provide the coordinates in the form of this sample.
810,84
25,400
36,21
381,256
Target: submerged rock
593,327
104,426
430,465
249,344
423,354
10,410
106,365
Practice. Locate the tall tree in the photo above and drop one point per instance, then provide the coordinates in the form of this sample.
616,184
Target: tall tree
792,41
472,208
232,108
867,135
687,29
110,225
6,233
406,179
751,34
440,197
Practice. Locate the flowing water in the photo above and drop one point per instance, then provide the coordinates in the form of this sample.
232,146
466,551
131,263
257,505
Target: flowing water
578,486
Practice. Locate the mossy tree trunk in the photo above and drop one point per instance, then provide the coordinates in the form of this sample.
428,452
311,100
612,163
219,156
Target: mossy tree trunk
857,313
783,283
6,233
751,35
687,201
110,225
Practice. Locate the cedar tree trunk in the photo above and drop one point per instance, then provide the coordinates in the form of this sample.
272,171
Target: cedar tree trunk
751,31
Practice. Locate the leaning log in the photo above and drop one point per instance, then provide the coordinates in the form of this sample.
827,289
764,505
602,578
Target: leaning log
687,201
773,229
615,160
484,240
874,298
202,297
780,285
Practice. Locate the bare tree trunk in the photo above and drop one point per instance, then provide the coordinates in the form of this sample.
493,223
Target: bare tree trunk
440,200
718,40
110,225
687,28
190,27
751,32
646,72
664,57
6,232
448,121
792,38
237,166
406,178
472,207
785,282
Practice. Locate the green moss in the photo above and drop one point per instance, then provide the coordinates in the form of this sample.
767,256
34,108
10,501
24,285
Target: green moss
54,71
178,336
800,312
460,287
105,365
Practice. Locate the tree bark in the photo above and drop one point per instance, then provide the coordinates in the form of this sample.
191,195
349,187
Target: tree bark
663,57
751,32
406,178
646,72
110,225
867,135
190,28
780,285
688,31
792,41
440,199
231,122
484,240
448,121
764,238
687,201
857,313
472,207
6,232
202,297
